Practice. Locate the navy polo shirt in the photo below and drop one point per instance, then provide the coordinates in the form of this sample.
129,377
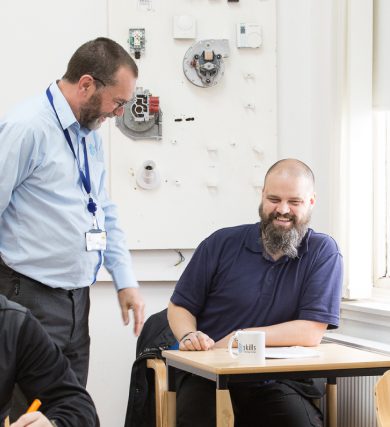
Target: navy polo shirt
231,282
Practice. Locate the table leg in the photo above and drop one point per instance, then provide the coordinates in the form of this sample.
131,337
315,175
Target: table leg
171,409
225,415
171,398
331,402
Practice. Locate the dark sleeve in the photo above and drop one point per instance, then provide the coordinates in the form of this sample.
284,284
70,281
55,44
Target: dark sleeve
321,297
192,289
43,372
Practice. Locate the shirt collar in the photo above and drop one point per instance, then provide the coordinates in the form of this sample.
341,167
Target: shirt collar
65,113
254,243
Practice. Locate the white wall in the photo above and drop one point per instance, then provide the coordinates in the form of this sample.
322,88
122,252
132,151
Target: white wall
309,88
37,40
213,158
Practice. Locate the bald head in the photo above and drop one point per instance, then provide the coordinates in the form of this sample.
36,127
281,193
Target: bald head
292,168
286,204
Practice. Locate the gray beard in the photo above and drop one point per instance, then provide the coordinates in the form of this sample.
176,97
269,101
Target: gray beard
277,240
90,113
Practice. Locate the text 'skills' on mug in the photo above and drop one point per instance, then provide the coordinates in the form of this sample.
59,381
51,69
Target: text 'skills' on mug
250,346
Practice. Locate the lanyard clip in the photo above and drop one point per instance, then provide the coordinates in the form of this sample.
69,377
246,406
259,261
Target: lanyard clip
91,206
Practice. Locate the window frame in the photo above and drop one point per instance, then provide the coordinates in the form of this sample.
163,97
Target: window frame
381,179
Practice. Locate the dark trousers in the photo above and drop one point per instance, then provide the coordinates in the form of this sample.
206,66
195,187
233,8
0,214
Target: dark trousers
268,405
64,314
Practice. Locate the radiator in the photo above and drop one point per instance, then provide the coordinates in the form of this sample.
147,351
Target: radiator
355,402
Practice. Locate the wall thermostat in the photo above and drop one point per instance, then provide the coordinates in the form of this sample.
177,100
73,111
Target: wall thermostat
249,35
184,27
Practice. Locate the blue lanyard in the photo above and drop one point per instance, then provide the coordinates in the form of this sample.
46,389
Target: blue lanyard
85,178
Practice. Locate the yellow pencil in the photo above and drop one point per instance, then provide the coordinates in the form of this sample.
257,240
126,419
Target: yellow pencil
34,406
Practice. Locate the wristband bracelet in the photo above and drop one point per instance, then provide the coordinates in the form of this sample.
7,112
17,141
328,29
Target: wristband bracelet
234,333
186,335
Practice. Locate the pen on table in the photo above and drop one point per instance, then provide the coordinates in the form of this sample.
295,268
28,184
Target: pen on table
34,406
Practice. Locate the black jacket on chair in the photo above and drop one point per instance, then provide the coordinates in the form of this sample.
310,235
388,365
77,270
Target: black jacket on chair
156,336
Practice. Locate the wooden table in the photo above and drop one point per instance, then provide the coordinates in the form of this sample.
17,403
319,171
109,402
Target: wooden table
335,361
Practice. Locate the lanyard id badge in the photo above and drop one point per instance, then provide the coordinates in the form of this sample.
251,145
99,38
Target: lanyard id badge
96,240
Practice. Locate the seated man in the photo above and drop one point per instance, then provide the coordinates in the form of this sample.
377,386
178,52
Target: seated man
30,359
277,276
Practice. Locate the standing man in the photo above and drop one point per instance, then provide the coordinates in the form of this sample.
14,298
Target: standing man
57,224
277,276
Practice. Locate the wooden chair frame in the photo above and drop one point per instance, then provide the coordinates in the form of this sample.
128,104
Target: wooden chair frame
382,400
160,386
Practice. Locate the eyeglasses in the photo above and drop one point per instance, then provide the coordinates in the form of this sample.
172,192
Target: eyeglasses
99,80
120,104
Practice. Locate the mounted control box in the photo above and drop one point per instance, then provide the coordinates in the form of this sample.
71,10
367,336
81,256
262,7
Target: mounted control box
137,41
249,35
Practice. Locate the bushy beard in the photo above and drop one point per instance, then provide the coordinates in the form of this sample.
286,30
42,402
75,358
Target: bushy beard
90,114
278,240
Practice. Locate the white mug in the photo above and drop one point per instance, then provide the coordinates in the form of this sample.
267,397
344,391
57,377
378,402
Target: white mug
250,346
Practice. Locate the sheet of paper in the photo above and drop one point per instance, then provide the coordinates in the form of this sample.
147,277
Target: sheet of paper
295,352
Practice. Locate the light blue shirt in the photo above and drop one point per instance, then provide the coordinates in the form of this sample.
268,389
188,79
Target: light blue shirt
43,204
